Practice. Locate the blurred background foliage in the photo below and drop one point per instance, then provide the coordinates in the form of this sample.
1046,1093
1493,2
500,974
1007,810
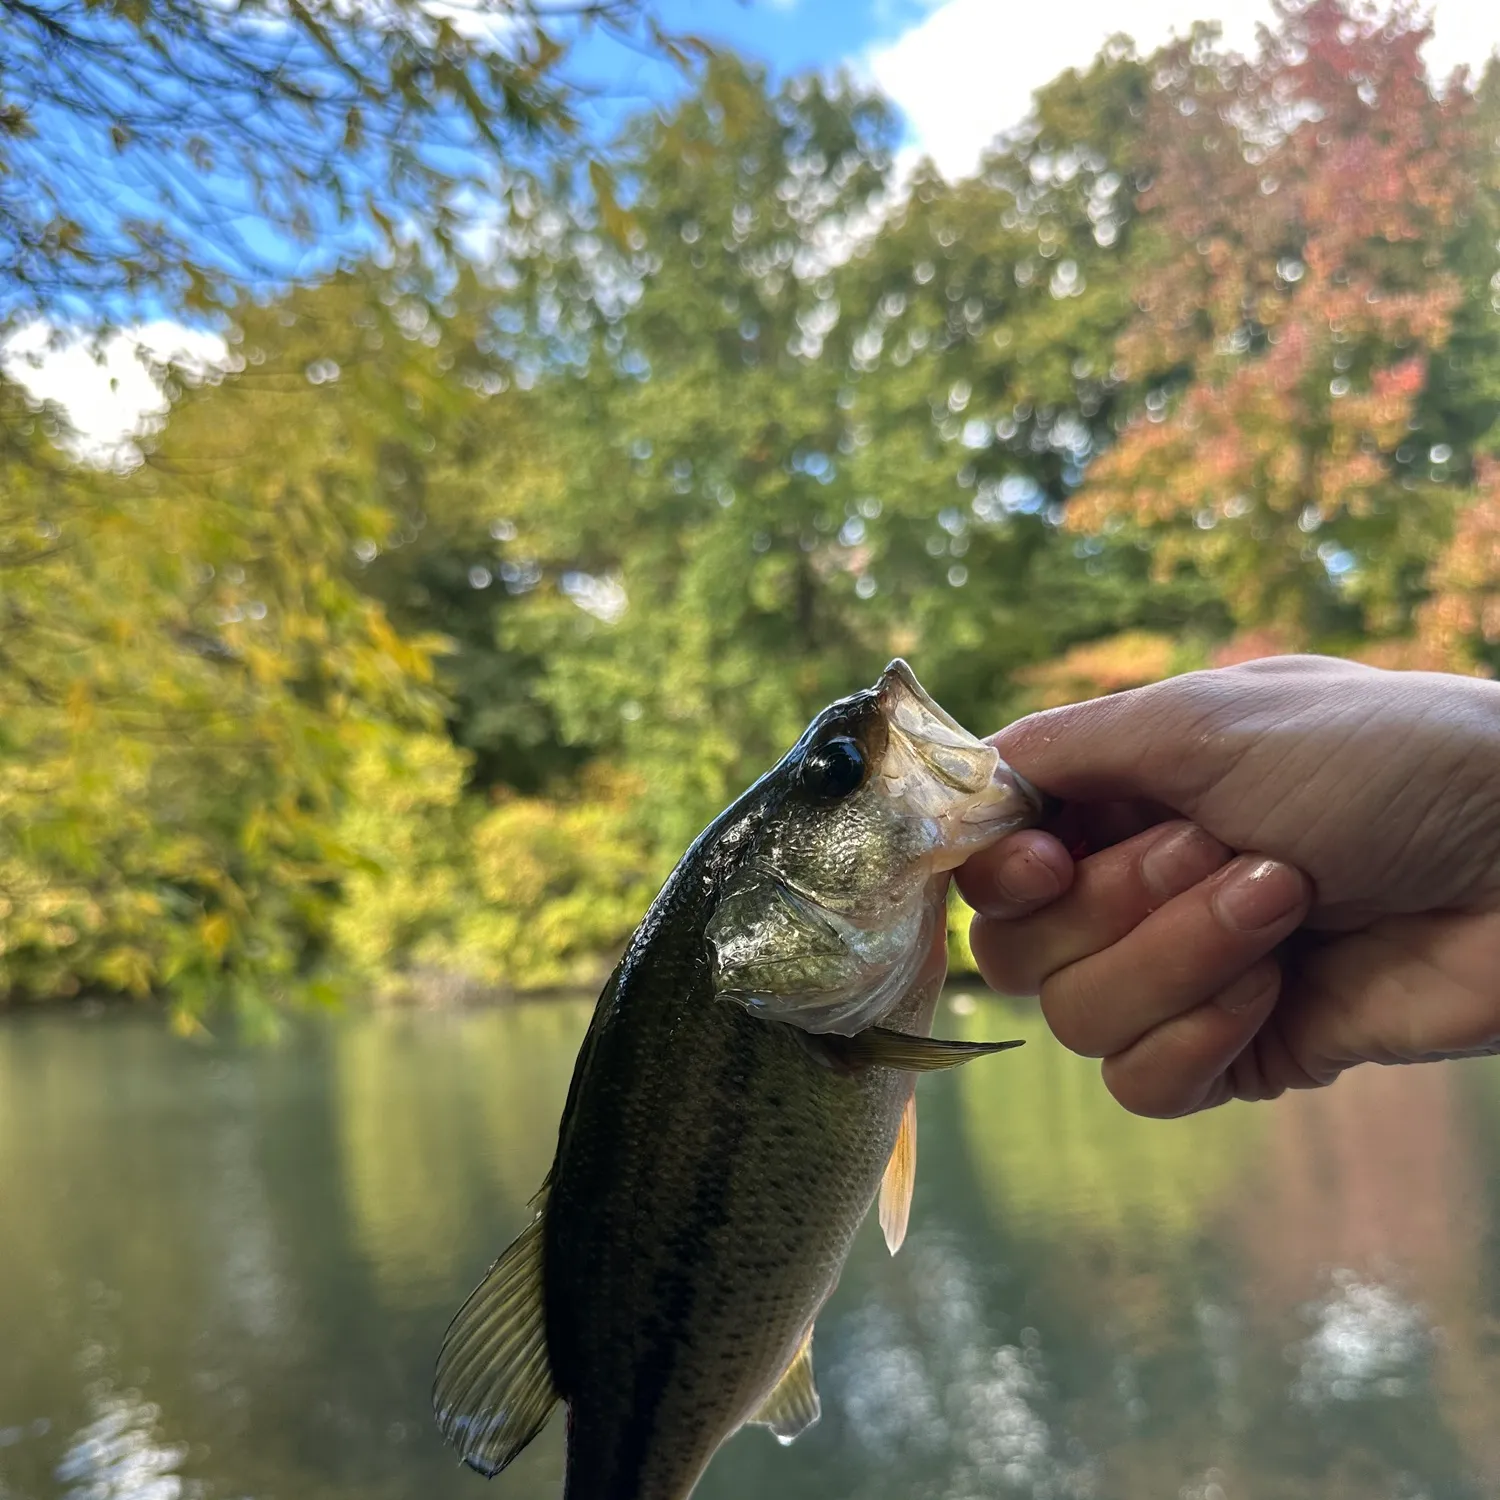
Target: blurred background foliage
408,652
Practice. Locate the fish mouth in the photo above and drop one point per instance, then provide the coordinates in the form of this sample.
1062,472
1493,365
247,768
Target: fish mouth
972,790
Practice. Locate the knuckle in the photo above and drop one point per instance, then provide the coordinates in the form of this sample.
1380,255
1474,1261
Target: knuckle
1290,1056
1071,1014
1253,991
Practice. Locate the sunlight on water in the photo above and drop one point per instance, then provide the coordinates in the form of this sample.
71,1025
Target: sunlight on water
955,1393
1366,1341
119,1455
1003,1440
257,1249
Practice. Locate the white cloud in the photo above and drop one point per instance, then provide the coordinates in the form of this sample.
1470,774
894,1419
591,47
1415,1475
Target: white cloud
1463,32
110,394
968,70
475,21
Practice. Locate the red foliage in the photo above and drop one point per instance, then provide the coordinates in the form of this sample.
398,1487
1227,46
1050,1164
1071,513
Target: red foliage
1291,299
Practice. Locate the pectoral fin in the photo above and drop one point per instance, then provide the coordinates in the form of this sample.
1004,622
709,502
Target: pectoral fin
493,1390
880,1048
899,1180
793,1406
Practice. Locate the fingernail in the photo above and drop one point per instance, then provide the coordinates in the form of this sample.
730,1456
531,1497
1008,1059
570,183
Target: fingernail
1255,893
1026,879
1180,860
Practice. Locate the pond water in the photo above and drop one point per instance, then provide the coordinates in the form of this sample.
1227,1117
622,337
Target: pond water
224,1272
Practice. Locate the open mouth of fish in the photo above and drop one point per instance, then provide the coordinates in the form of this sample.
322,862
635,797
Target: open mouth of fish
933,767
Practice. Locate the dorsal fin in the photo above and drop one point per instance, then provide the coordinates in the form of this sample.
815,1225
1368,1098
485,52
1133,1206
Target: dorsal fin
793,1406
493,1390
899,1180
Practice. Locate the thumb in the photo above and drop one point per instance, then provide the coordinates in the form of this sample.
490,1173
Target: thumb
1163,744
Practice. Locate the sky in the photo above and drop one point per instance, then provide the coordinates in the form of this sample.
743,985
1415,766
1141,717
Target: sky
960,71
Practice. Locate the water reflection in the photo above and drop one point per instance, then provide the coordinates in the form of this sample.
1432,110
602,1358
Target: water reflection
1055,1152
945,1390
442,1123
256,1250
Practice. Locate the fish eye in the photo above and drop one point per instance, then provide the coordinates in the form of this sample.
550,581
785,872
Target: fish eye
834,768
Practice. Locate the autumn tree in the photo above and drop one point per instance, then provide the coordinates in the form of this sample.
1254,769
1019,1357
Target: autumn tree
192,678
1312,308
424,637
190,668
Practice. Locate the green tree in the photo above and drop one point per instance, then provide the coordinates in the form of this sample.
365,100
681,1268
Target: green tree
425,638
780,439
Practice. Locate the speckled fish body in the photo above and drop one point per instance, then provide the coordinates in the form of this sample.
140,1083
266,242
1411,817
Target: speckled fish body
744,1087
708,1183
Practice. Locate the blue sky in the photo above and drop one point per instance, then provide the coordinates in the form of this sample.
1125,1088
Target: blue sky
809,33
791,36
800,33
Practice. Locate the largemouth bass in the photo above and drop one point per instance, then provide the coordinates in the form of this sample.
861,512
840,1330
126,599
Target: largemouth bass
744,1091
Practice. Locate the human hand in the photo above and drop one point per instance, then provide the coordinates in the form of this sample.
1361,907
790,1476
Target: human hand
1297,870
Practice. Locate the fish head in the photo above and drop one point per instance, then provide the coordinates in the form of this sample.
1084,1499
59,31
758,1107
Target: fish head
828,919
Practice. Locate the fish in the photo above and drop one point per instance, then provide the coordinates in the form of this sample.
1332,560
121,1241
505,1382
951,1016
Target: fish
742,1096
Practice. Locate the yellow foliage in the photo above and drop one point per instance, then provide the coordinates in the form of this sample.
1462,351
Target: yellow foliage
128,969
214,931
1461,618
563,882
403,824
536,893
960,954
